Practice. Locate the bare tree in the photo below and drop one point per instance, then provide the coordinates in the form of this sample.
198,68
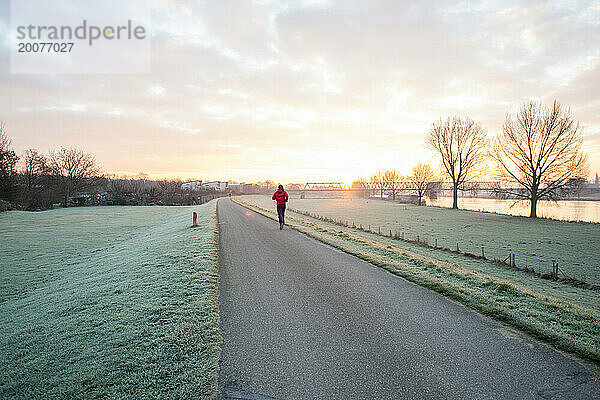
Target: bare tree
143,178
5,141
378,182
360,185
540,151
392,179
461,144
423,180
73,171
35,167
8,163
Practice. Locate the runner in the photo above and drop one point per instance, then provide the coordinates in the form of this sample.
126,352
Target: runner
281,197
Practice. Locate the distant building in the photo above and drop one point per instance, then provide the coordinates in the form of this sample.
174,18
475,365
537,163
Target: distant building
191,185
236,187
215,185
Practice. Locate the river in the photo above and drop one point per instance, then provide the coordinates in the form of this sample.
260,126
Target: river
568,210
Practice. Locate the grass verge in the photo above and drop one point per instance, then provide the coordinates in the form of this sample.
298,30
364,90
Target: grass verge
109,302
566,326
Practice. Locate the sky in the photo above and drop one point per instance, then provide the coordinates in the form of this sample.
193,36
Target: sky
310,91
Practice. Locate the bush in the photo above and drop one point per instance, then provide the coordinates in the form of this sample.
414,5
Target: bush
6,206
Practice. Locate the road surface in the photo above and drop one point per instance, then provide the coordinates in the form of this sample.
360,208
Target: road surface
301,320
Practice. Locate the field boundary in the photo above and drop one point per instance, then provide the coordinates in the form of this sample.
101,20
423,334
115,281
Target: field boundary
400,236
566,326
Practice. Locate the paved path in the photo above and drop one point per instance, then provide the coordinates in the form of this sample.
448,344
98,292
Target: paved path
301,320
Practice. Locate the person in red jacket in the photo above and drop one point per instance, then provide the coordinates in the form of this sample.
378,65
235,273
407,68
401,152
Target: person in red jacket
281,197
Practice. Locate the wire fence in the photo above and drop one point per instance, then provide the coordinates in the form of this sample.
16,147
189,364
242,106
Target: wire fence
534,264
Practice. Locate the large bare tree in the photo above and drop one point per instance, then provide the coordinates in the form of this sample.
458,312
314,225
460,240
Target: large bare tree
461,144
392,179
73,170
423,179
539,150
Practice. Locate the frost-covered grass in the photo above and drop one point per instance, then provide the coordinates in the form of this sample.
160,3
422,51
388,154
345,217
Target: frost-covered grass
568,325
109,302
574,245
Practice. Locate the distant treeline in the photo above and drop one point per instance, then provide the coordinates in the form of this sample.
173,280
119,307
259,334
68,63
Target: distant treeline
72,177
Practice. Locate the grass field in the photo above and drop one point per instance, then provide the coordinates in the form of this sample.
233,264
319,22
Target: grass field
108,302
558,313
575,246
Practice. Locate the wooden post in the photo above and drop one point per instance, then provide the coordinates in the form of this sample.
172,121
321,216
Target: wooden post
482,253
379,230
457,250
436,242
390,233
195,219
402,235
418,239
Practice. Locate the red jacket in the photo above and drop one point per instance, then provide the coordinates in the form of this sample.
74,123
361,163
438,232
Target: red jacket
280,196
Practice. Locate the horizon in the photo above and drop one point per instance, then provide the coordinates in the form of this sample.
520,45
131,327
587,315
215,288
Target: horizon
311,91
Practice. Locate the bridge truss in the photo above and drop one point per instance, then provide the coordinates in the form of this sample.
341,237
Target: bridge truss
401,186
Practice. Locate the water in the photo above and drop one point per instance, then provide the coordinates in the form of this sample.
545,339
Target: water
568,210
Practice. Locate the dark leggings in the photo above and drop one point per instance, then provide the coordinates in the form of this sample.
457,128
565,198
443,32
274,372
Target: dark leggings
280,212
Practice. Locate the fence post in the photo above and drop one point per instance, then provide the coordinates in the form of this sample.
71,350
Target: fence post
482,252
195,219
379,231
457,250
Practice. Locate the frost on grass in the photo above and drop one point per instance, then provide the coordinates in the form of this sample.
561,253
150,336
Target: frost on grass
109,302
566,325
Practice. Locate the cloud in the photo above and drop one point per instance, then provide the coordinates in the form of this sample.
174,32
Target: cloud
244,89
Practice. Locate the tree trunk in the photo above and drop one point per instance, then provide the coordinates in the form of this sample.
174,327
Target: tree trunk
455,197
533,211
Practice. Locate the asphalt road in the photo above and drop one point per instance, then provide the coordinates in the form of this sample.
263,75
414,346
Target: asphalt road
301,320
